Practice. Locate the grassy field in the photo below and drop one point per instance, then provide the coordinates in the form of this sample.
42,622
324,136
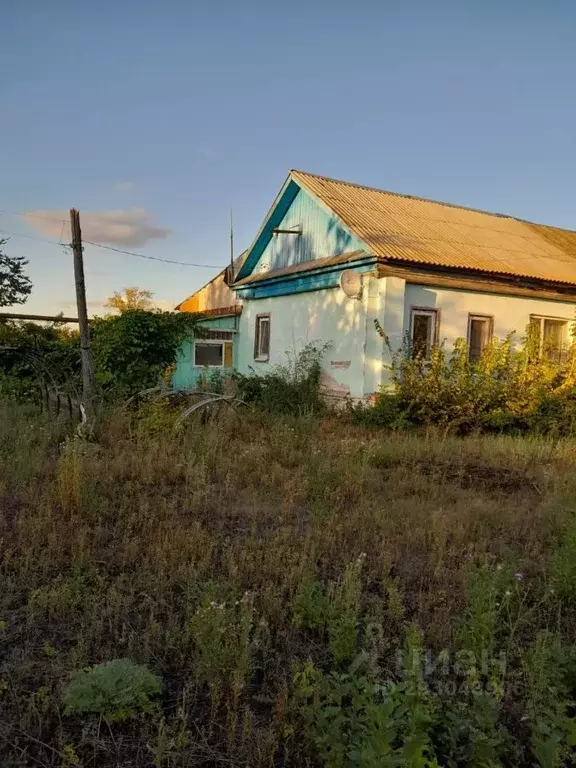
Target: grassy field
307,592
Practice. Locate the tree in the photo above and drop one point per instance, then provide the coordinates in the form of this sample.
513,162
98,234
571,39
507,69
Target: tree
15,285
130,298
133,349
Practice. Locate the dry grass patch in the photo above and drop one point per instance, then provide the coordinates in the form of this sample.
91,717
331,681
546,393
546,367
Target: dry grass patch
227,556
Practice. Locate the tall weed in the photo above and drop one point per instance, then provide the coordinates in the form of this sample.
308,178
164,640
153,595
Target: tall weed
510,388
292,388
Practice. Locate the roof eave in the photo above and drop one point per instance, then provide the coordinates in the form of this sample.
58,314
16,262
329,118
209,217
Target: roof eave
266,279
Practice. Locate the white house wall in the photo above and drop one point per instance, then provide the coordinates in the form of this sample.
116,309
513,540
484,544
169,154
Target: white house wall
315,316
356,363
510,313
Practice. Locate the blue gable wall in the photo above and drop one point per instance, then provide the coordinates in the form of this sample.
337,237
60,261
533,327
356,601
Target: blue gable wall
322,234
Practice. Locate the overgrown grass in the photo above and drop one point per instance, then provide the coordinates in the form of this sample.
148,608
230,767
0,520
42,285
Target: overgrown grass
304,591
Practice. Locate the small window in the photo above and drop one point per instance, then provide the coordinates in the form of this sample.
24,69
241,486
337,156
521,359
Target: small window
479,334
209,354
550,333
262,338
423,331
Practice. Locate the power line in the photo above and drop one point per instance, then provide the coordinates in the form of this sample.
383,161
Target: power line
31,237
33,216
152,258
111,248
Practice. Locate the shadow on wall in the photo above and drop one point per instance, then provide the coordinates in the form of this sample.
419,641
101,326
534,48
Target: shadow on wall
320,236
342,239
291,249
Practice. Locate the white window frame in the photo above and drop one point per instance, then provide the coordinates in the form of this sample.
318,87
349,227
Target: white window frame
541,319
486,318
434,331
214,342
261,358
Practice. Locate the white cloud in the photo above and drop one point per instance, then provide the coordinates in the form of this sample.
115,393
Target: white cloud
124,187
131,227
203,151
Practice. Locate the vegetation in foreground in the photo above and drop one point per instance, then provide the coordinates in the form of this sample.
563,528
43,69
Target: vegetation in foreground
511,388
259,591
132,352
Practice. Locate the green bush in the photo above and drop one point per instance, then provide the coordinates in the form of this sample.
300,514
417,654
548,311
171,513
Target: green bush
468,731
508,389
290,389
563,565
387,411
33,356
351,719
310,609
117,690
548,668
133,349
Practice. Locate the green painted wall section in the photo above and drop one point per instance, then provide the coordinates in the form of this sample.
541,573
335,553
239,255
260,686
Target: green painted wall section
187,375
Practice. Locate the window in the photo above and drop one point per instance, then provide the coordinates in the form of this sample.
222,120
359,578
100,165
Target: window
550,335
213,354
423,331
480,328
209,353
262,338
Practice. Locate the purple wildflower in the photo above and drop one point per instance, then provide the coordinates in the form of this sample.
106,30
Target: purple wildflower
518,576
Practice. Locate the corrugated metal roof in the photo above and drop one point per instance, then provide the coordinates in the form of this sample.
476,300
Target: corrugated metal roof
413,229
305,266
235,309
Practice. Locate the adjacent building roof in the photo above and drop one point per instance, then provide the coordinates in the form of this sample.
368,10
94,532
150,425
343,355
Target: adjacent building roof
234,309
413,229
215,294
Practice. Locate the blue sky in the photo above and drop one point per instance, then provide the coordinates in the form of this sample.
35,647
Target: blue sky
171,112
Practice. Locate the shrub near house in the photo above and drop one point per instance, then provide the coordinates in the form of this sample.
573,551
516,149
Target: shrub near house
506,388
132,351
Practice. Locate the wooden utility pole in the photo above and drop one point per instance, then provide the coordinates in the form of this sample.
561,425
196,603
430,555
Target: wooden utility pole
87,362
231,245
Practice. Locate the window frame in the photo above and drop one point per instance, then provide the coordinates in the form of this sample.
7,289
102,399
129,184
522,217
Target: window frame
478,316
435,335
259,317
212,342
541,319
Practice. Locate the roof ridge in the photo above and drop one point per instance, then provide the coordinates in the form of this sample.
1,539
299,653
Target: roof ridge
429,200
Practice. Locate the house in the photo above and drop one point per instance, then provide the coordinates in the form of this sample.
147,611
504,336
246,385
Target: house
332,257
213,345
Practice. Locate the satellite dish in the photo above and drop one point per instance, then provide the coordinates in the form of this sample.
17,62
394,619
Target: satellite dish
351,283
